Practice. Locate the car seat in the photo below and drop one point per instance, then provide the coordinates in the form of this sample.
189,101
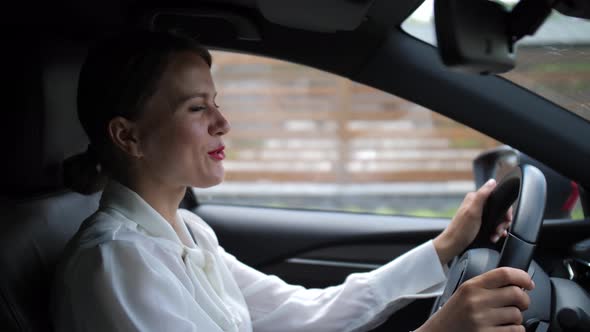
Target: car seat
38,215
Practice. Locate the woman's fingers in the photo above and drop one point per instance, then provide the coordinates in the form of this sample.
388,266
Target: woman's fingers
497,317
508,216
508,328
504,276
489,302
505,297
502,229
484,192
505,316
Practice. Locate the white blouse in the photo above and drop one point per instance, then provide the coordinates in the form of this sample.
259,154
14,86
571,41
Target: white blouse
128,269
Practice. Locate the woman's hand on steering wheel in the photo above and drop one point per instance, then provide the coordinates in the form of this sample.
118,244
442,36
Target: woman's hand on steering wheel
466,224
492,301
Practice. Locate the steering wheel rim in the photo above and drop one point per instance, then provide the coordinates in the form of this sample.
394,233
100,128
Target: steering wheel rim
526,185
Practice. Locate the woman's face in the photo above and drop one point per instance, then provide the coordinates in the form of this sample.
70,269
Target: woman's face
181,130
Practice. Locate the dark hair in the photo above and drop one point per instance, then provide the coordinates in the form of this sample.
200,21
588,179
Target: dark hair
117,78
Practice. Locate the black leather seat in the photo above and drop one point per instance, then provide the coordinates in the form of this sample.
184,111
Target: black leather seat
33,240
38,215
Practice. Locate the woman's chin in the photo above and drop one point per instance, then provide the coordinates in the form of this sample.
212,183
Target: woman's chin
210,181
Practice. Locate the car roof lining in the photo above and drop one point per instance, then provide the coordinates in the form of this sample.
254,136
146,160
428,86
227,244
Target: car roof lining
351,48
320,16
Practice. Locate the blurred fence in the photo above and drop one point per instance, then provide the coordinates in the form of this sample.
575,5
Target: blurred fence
296,124
302,138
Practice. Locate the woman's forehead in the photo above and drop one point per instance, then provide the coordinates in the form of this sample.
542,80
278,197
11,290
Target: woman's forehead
187,73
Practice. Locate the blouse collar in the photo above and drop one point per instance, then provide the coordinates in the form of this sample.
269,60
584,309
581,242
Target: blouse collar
122,199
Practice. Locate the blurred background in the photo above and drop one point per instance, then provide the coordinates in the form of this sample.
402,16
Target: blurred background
303,138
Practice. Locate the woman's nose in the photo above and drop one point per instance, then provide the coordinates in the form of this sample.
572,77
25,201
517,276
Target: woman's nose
219,126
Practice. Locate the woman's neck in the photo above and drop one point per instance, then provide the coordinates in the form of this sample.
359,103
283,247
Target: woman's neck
163,198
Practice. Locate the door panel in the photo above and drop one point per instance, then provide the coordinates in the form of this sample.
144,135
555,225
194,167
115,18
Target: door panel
263,236
318,248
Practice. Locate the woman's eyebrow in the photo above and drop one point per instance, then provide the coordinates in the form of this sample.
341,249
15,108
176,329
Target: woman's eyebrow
187,97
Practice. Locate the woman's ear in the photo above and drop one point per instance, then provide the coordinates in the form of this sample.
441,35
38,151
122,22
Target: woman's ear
125,136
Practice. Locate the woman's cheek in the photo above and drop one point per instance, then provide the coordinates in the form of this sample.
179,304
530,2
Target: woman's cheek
194,133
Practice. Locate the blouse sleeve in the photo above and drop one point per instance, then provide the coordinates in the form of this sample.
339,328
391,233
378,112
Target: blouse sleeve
362,302
119,287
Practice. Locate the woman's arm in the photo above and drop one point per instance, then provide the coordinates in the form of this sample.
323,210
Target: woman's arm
362,302
365,299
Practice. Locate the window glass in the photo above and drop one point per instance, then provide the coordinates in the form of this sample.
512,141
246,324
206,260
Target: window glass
553,63
303,138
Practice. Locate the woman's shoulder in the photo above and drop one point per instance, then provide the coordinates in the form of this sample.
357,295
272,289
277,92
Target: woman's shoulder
105,226
107,233
103,230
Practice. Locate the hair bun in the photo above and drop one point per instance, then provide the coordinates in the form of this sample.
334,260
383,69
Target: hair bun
82,173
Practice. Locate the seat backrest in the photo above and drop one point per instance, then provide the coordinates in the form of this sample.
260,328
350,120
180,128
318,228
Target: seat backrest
35,234
37,214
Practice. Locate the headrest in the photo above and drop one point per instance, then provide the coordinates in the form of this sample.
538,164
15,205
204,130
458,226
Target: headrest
41,128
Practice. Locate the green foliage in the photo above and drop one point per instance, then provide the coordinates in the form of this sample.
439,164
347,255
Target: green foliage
387,211
356,209
566,67
578,213
428,213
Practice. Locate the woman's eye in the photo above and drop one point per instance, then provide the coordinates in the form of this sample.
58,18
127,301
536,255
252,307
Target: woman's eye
197,108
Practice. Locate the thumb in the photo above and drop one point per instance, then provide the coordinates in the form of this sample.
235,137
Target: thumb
484,192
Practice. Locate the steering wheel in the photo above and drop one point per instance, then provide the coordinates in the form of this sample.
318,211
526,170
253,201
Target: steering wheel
527,186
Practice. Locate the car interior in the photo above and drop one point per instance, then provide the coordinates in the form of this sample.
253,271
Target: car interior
45,44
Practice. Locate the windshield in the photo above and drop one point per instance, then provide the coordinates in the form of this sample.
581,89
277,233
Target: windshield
554,63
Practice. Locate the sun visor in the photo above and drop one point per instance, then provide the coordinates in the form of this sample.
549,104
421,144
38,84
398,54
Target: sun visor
313,15
227,25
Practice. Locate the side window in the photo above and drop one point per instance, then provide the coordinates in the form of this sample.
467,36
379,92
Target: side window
303,138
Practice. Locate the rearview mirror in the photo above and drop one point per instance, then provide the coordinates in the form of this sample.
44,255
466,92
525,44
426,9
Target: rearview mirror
473,35
478,36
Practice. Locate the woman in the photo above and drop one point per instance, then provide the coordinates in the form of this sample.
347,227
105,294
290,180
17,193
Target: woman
147,102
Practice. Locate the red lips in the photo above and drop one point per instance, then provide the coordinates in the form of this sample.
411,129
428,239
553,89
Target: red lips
218,153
